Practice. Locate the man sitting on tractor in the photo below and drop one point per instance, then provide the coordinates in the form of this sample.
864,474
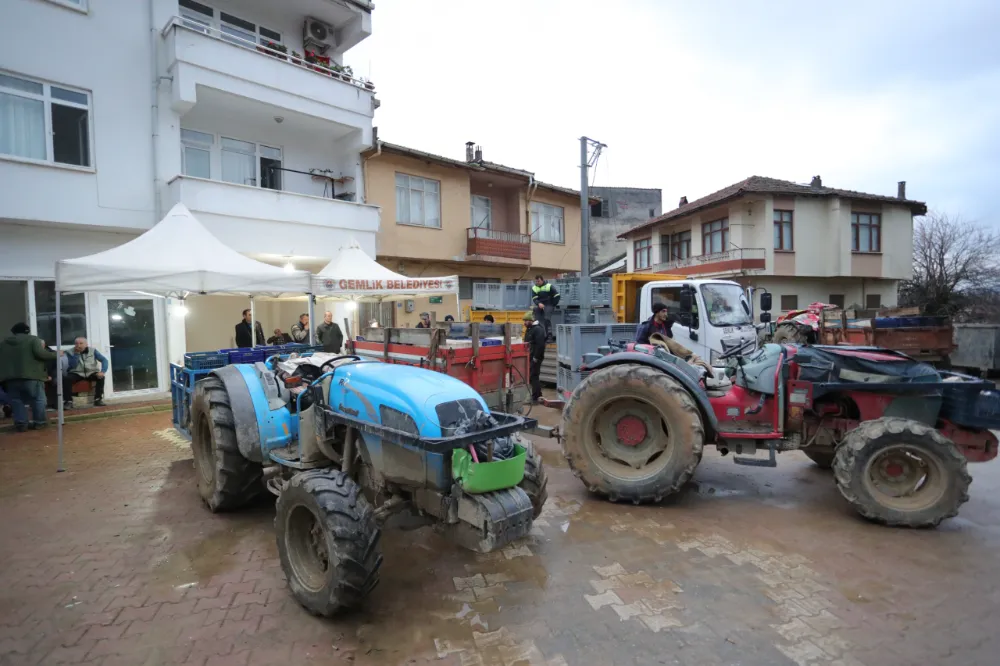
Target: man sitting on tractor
661,322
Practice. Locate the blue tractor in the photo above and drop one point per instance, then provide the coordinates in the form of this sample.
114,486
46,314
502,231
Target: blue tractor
345,443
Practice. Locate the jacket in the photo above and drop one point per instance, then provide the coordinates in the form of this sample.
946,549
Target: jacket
23,356
243,334
299,332
85,363
650,326
546,295
282,339
330,336
535,337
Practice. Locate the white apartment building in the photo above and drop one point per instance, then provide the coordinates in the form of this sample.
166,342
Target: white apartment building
802,243
112,111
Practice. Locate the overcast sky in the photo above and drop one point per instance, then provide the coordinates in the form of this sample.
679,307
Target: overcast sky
691,97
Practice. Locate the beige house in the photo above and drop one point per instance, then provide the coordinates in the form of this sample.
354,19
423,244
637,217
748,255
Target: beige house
803,243
477,219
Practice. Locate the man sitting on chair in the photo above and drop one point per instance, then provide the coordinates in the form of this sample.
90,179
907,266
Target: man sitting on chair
84,363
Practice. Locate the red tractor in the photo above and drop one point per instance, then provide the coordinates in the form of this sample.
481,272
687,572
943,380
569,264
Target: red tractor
897,433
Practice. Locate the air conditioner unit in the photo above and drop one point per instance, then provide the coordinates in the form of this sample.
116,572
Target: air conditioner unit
318,36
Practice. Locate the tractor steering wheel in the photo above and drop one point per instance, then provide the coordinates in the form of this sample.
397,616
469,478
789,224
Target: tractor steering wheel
337,358
735,351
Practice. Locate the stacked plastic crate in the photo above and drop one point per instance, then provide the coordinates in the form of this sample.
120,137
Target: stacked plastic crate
575,341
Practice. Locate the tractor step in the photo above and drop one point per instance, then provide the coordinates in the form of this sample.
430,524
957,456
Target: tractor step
770,461
490,521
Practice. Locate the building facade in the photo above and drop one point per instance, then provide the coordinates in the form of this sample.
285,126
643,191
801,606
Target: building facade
619,209
802,243
212,104
482,221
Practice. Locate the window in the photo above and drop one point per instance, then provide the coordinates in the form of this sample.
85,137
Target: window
873,301
547,223
196,15
13,304
715,236
643,250
233,28
465,287
418,201
73,310
237,30
652,212
677,246
482,213
600,209
239,162
671,297
783,230
270,167
837,299
196,153
39,121
866,232
790,302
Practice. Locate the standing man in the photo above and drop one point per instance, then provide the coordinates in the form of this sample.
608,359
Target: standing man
84,363
300,329
425,320
329,334
534,335
243,338
545,298
22,372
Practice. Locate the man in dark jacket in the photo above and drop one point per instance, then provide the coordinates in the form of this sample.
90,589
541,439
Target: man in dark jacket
545,298
534,335
329,335
22,372
243,338
660,322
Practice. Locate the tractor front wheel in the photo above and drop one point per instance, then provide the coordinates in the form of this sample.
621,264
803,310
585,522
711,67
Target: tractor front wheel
226,480
632,432
328,541
901,473
535,483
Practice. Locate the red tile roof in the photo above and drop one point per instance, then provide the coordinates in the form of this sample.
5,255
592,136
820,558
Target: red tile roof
773,186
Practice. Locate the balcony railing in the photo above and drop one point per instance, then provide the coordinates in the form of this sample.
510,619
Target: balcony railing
487,243
734,260
321,66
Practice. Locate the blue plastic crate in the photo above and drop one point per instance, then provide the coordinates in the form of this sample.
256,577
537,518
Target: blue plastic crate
255,355
205,360
973,403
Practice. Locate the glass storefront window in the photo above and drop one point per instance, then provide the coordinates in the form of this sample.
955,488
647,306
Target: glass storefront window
74,314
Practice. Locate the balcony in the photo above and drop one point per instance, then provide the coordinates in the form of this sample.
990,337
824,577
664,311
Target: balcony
257,220
732,262
498,247
202,56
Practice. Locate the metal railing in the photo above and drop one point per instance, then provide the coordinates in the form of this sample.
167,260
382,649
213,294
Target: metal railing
504,236
715,257
235,40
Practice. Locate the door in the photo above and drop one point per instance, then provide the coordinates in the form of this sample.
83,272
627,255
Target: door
131,343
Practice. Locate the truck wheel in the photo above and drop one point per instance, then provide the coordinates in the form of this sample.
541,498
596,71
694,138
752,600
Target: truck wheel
328,541
632,432
789,333
226,480
822,457
535,483
901,473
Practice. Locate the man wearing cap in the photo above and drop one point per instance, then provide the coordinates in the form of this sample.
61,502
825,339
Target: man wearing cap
534,335
660,322
425,320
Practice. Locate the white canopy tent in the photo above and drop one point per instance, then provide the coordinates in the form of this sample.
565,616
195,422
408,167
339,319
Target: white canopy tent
176,258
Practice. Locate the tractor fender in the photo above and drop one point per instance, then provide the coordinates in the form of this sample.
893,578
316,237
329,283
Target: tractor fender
244,415
699,395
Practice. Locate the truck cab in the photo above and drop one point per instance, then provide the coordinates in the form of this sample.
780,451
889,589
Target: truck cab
711,317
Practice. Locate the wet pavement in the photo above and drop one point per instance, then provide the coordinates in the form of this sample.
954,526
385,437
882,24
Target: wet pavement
117,562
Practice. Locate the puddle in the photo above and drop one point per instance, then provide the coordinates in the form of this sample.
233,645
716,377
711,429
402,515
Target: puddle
210,556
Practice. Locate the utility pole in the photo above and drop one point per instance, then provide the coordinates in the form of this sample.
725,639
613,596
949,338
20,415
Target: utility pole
586,161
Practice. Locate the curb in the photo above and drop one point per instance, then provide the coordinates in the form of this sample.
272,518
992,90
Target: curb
96,416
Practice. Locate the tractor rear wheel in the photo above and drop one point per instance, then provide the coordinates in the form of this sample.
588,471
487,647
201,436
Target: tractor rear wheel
789,333
902,473
821,456
328,541
535,483
226,480
632,433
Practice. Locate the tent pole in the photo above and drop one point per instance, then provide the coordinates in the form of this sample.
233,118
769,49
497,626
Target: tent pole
58,378
312,318
253,325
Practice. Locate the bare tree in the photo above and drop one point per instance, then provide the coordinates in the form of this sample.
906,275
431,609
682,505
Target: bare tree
956,267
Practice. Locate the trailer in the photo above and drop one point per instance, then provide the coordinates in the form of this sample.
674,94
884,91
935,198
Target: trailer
928,339
977,348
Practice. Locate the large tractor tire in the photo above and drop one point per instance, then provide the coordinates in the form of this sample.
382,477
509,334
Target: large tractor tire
535,483
226,480
823,457
901,473
790,333
328,541
632,433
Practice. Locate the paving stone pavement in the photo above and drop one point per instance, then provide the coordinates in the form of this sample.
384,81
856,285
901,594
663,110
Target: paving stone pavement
115,561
